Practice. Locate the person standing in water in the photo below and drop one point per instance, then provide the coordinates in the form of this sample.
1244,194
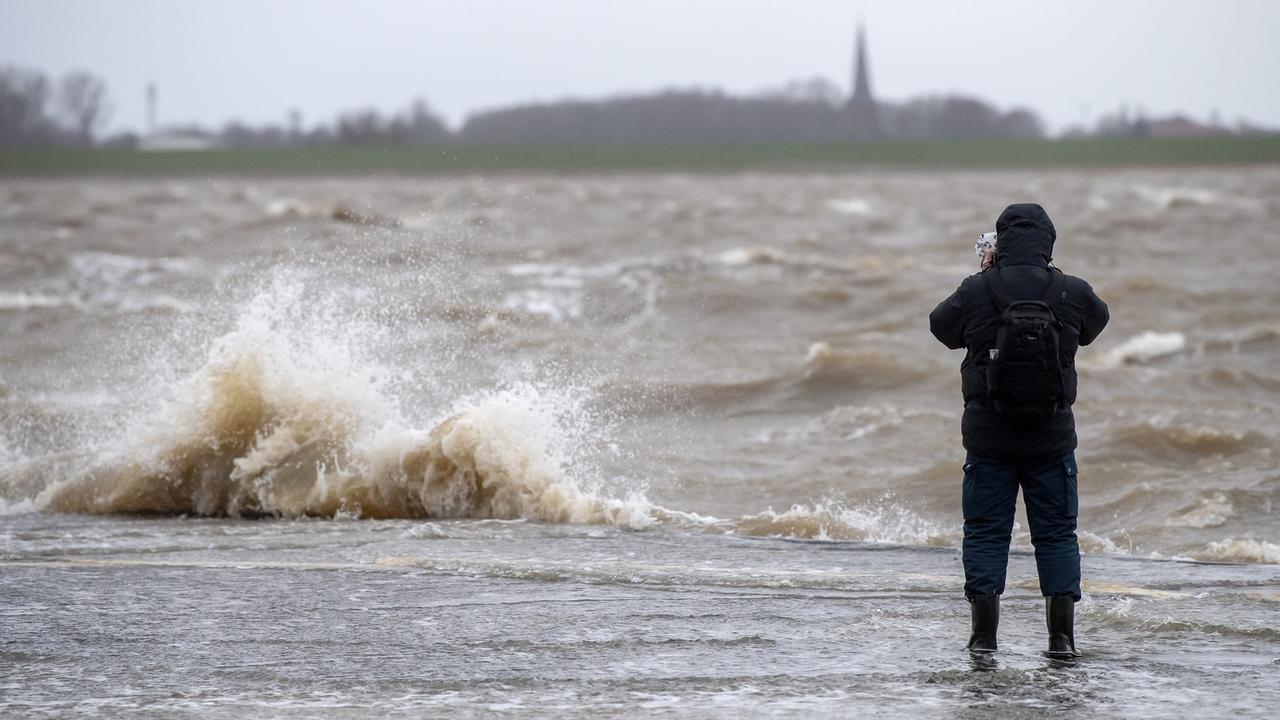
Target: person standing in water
1020,321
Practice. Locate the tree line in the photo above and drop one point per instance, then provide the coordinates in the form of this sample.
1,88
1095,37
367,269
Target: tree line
805,111
72,111
37,111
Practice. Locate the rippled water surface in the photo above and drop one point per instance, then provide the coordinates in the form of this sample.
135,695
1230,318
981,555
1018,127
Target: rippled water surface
609,445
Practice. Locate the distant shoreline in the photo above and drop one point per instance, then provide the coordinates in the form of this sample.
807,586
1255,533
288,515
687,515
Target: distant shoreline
472,159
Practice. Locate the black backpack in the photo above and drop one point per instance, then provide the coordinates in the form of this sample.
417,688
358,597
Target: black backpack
1024,367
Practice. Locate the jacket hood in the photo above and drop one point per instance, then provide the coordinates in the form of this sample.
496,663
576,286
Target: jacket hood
1024,236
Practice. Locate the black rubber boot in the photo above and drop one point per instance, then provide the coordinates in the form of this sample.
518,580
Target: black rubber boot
1060,616
984,611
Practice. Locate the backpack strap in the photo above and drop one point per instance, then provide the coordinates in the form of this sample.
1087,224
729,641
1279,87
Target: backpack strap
1053,290
1000,297
995,289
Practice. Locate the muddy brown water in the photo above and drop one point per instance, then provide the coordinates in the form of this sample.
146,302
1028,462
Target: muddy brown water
593,445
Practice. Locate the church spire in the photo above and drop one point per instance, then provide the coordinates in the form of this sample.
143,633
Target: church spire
864,119
861,81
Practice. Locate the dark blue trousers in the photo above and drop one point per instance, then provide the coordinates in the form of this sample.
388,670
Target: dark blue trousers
1049,491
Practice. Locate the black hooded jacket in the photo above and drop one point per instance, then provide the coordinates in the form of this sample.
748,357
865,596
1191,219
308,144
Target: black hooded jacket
968,319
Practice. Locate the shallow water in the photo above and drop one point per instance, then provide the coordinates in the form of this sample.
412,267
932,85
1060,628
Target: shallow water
606,445
226,618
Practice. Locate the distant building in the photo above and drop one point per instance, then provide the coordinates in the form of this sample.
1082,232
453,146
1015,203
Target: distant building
177,140
863,113
1180,126
173,139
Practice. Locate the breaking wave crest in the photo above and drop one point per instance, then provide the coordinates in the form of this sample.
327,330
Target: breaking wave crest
884,522
252,455
282,423
862,369
1131,608
1242,550
1166,441
1141,349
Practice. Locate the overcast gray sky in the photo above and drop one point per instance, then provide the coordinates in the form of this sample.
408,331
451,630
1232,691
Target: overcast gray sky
255,59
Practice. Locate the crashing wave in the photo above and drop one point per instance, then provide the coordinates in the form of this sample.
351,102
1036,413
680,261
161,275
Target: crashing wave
251,446
1242,550
279,422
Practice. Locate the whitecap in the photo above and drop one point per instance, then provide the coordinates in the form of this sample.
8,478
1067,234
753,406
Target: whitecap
1167,198
1242,550
758,255
851,206
31,301
1140,349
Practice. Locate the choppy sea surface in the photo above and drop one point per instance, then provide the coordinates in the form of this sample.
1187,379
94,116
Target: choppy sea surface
672,445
